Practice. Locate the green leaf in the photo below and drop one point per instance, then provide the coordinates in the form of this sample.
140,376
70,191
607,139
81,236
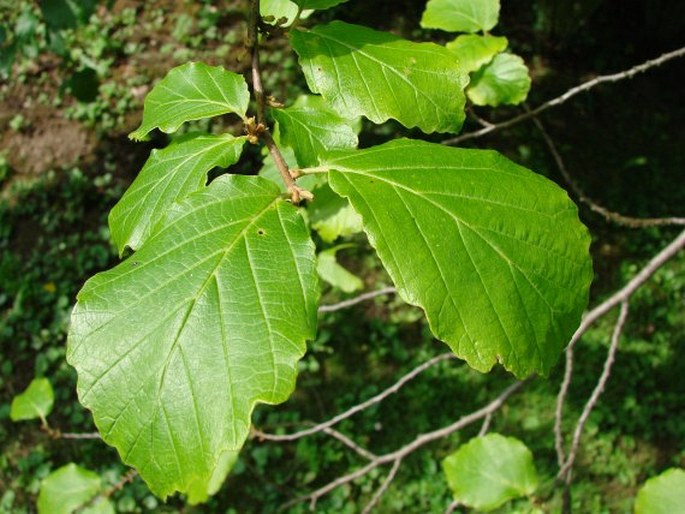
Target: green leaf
169,175
176,345
461,15
281,9
318,4
34,403
663,494
329,270
332,216
360,71
192,91
313,130
475,51
69,488
488,471
504,80
493,253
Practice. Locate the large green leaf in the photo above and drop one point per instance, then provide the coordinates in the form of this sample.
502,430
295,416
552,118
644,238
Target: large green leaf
504,80
34,403
176,345
488,471
461,15
313,130
663,494
70,488
192,91
360,71
493,253
475,51
168,176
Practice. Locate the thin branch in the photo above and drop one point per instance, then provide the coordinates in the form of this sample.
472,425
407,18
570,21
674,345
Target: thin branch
564,472
383,487
357,299
585,86
486,425
85,435
591,317
452,507
357,408
417,443
349,443
616,217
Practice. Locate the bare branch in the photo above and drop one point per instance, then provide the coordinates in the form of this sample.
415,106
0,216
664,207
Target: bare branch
383,488
357,408
486,425
618,218
349,443
591,317
86,435
564,472
417,443
585,86
357,299
452,507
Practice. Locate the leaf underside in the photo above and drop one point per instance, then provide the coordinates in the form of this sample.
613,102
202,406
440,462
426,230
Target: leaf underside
461,15
493,253
192,91
168,176
360,71
503,81
176,345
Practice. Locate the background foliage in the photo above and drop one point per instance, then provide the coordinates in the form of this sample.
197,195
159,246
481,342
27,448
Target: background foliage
75,89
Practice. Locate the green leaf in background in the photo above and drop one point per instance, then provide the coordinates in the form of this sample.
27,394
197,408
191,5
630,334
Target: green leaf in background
168,176
505,80
475,51
34,403
281,9
493,253
461,15
69,489
176,345
360,71
192,91
318,4
332,216
313,130
332,272
663,494
488,471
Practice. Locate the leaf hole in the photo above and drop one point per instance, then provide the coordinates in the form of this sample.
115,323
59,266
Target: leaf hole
261,232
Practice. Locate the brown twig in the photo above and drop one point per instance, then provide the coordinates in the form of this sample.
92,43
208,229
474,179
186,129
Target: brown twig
619,297
616,217
357,299
585,86
357,408
417,443
383,487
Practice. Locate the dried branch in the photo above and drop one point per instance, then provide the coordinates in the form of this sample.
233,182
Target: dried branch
452,507
564,472
86,435
357,408
585,86
417,443
621,296
357,299
618,218
349,443
383,487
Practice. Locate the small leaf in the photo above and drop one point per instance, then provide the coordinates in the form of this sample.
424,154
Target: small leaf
488,471
192,91
493,253
169,175
461,15
318,4
281,9
312,130
176,345
360,71
505,80
475,51
663,494
332,272
34,403
332,216
69,488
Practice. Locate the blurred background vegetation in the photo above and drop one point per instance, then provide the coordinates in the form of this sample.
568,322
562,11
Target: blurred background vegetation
72,79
